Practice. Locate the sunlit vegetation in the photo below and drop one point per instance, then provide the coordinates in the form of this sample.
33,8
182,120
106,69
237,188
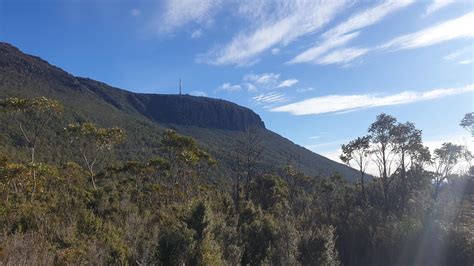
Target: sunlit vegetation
166,210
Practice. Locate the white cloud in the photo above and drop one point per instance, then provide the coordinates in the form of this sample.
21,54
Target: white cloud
345,103
315,52
346,31
465,62
275,51
274,23
460,53
463,56
460,27
135,12
446,31
258,82
437,5
263,79
196,34
305,89
178,13
230,88
287,83
315,137
198,93
342,56
272,97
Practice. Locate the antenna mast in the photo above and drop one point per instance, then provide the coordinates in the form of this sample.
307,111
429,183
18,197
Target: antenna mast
180,86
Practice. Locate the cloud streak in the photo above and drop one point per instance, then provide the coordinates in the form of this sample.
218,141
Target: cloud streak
275,23
287,83
230,87
346,103
268,98
178,13
259,82
457,28
437,5
347,30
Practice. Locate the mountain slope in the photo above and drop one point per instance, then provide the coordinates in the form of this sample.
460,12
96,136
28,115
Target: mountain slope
216,124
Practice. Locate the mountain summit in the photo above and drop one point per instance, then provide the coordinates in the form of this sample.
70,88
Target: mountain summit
216,124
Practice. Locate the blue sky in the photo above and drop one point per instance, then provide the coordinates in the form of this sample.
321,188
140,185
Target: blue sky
317,72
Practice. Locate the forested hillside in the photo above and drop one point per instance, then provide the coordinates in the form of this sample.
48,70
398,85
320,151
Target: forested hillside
166,210
218,125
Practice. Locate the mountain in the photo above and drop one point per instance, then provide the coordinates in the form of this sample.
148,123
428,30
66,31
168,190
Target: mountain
215,124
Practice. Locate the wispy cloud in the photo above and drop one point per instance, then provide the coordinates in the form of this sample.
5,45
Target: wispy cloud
198,93
437,5
196,34
230,87
342,56
305,89
258,82
268,98
135,12
287,83
462,56
347,30
265,79
275,23
457,28
178,13
345,103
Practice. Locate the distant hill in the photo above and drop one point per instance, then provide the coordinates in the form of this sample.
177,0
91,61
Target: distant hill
215,124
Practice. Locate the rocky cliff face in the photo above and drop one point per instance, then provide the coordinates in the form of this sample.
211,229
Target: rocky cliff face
184,110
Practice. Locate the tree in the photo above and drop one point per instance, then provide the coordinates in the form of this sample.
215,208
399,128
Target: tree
468,122
32,116
93,143
357,150
318,247
250,151
410,152
184,156
207,251
381,134
269,192
445,160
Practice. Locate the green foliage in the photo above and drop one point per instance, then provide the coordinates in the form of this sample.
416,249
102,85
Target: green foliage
174,247
319,247
165,211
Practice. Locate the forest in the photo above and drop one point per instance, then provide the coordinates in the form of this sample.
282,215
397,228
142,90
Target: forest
92,208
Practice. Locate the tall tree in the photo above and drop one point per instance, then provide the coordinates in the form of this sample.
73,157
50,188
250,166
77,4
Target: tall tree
249,153
357,151
184,156
468,122
93,143
381,135
32,117
445,160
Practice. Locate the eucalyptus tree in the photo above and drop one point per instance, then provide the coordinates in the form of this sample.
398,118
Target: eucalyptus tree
184,156
32,117
382,148
249,153
411,156
468,122
93,143
446,159
357,151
